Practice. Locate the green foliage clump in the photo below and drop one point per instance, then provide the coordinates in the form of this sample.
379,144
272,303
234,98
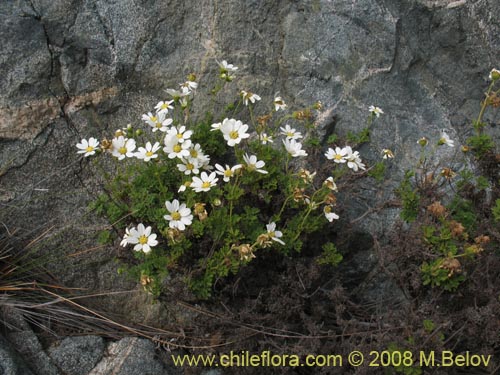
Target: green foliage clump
496,210
410,198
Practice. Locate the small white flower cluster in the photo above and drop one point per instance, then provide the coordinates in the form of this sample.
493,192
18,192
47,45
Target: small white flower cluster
226,69
444,139
345,155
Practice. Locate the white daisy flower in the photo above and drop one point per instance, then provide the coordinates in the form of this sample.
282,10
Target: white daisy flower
189,166
274,234
88,148
158,121
204,183
234,131
248,96
338,155
164,106
126,236
227,172
264,138
181,133
387,154
184,186
445,139
190,85
176,94
353,160
196,152
290,132
294,148
330,184
174,149
215,126
375,111
330,216
123,147
279,103
225,67
142,237
149,152
253,164
179,215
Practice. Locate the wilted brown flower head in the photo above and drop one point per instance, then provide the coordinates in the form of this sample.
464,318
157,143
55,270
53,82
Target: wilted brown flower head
264,240
263,120
457,229
331,199
245,251
452,265
436,209
298,194
482,239
447,173
474,249
146,280
106,144
174,234
302,115
306,176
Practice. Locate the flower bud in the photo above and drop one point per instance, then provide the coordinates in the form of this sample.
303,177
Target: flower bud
423,141
494,74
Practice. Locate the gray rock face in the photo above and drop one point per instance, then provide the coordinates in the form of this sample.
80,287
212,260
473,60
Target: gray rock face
10,362
78,355
130,356
79,68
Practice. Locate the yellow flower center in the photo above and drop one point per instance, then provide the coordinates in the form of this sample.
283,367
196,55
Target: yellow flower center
177,148
206,185
179,135
122,150
272,234
338,157
176,215
158,125
233,135
228,173
290,134
189,166
194,153
89,149
154,119
164,106
149,153
143,240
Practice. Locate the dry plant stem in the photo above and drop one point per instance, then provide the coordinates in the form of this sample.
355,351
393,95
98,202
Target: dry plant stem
484,105
276,332
131,329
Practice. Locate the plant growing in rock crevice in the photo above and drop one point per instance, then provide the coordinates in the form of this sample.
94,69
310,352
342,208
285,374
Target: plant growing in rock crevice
205,198
453,235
